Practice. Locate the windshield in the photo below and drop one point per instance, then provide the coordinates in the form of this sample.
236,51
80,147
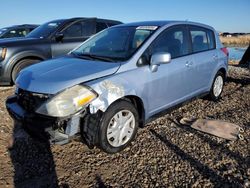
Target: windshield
45,30
2,31
115,44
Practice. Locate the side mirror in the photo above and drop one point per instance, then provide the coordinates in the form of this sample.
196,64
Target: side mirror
159,58
59,36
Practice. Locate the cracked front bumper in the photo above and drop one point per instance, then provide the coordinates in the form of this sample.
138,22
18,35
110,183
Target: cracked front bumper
55,130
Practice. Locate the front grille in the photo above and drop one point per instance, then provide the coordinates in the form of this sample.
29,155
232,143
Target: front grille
30,101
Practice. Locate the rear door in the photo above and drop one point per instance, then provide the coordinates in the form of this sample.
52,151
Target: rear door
205,57
73,36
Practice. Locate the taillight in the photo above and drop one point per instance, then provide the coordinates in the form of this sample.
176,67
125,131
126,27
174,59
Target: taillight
225,51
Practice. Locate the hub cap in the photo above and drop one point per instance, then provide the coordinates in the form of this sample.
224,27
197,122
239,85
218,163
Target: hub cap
218,85
120,128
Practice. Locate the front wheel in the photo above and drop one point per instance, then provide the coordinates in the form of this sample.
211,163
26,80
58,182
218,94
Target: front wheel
217,87
118,127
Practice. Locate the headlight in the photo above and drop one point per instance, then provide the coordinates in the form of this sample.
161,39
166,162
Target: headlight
3,52
67,102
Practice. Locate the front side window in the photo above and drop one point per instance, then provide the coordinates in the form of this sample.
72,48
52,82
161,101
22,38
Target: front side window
88,28
173,41
79,29
118,43
100,26
75,30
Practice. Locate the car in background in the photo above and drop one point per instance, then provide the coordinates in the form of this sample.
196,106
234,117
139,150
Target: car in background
16,31
118,80
49,40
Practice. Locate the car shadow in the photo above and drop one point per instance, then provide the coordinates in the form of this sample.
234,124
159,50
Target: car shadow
203,169
32,161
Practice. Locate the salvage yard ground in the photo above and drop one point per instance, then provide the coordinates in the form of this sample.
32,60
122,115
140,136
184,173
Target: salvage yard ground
164,154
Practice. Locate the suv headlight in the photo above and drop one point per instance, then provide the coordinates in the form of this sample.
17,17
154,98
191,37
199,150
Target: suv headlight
3,52
67,102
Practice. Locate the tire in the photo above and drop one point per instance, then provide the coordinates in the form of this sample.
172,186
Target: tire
21,65
217,86
113,137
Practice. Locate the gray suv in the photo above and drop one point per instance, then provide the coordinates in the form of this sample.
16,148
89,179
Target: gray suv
117,80
49,40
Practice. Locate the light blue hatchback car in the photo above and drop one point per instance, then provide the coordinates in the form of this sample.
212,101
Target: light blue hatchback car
117,80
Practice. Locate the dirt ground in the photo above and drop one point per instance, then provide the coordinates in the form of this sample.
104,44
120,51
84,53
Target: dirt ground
164,153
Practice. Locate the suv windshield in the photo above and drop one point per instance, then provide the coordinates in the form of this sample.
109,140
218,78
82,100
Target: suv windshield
45,30
115,44
2,31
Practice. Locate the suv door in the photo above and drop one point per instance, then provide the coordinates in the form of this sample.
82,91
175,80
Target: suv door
169,84
73,35
205,57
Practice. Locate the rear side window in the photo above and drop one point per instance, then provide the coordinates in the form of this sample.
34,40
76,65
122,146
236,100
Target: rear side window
211,39
202,39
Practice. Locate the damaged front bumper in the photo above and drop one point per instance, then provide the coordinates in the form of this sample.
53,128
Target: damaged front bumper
53,129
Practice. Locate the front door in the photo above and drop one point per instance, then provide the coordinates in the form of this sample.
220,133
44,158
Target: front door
73,36
170,84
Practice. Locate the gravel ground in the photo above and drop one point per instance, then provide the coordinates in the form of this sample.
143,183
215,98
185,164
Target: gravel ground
164,154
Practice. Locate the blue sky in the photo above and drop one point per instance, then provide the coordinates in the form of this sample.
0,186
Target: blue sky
223,15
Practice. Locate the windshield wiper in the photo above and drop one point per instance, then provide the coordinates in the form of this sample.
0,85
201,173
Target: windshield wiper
81,56
93,56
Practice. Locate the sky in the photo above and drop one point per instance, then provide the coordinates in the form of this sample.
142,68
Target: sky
223,15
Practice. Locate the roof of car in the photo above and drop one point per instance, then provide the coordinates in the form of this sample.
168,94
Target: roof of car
101,19
161,23
149,23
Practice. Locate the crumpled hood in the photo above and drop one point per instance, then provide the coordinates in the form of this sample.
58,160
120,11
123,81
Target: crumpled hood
55,75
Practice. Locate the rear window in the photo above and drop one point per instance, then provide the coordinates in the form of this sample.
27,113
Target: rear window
202,39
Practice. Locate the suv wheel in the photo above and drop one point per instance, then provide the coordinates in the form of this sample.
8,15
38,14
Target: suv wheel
118,127
21,65
217,86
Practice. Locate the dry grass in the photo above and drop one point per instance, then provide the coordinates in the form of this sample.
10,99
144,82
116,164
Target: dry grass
240,40
233,62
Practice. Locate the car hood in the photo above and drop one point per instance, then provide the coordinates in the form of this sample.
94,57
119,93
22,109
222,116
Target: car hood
8,42
53,76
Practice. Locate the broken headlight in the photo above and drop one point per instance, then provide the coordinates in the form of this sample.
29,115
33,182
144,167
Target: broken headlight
67,102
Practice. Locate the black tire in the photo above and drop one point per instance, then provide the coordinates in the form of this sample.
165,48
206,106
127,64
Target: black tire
107,116
212,94
21,65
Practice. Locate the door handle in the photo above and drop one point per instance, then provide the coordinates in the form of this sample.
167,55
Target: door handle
215,56
189,63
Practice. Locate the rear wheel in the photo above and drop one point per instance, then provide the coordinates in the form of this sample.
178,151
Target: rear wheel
217,87
21,65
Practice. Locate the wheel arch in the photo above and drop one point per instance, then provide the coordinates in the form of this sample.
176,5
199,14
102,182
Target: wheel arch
138,103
